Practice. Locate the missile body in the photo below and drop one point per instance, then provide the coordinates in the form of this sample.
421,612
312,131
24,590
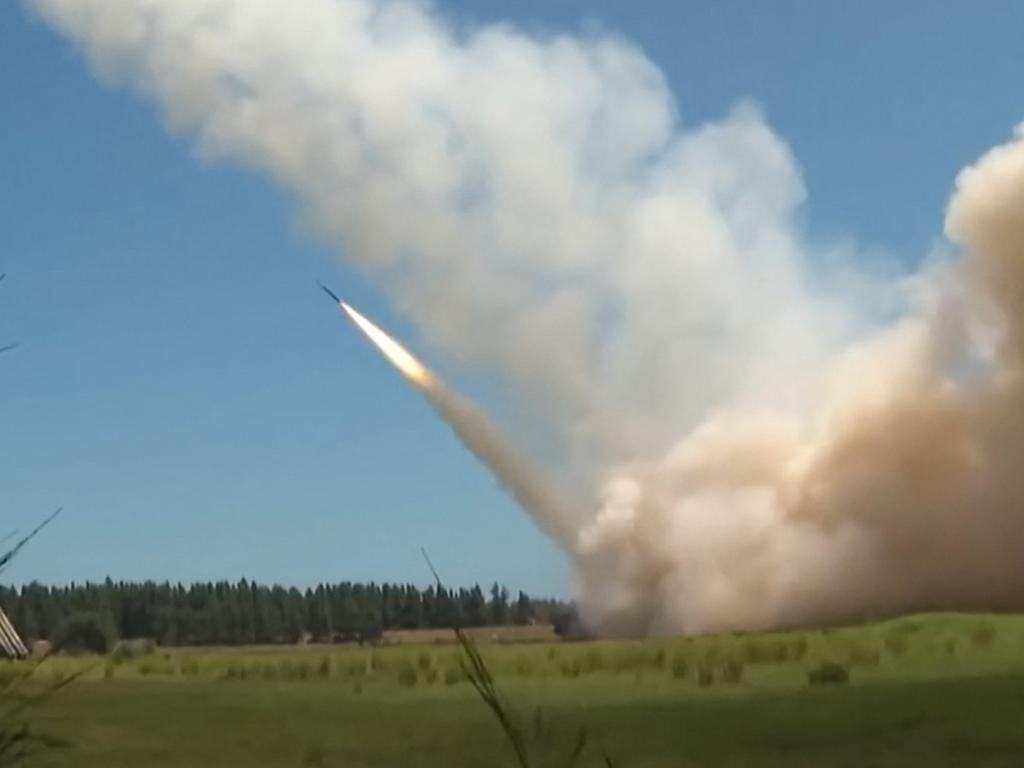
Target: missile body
329,292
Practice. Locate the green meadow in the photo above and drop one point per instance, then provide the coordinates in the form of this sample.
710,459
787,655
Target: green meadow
935,690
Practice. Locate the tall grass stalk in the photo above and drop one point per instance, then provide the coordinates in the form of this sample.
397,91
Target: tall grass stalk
479,675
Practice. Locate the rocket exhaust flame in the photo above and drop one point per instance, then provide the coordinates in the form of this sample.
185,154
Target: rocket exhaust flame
394,352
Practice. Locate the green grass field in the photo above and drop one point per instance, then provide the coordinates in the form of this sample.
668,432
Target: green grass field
939,690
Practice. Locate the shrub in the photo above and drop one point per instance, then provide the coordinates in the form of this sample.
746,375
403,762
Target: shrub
130,649
452,675
759,652
799,648
407,676
896,643
732,671
430,676
829,673
357,667
781,651
712,654
705,677
659,658
679,666
864,656
983,636
423,662
571,668
594,661
325,667
87,633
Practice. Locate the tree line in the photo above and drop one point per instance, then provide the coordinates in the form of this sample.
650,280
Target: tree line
247,613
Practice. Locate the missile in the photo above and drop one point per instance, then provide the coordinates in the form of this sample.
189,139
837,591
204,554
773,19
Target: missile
393,352
518,476
329,292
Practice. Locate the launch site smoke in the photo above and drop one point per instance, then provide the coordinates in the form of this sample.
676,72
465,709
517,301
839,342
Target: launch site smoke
761,444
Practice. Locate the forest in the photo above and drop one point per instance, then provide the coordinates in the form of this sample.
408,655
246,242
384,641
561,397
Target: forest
247,613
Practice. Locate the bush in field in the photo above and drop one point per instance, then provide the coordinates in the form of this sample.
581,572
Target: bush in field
453,675
799,648
896,643
407,676
864,656
829,673
571,668
679,666
983,636
594,661
732,671
712,654
87,633
781,651
430,676
659,658
131,649
325,667
705,677
423,661
356,667
759,652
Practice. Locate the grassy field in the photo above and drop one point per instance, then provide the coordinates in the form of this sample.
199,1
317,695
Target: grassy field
939,690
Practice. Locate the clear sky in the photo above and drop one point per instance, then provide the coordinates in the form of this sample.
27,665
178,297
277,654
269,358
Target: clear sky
188,395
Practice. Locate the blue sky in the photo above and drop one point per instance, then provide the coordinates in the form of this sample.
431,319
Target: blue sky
192,400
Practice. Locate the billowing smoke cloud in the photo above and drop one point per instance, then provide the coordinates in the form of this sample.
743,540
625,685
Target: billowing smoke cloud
761,450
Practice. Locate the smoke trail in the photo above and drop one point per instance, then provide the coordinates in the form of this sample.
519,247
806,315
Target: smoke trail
765,451
523,481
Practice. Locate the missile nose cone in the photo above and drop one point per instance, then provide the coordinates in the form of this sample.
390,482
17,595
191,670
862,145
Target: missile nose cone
329,292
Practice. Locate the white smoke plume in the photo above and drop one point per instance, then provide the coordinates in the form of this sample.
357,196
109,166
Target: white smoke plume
763,452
